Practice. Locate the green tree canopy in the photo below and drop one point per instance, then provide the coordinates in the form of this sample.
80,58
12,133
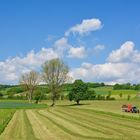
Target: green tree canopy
79,91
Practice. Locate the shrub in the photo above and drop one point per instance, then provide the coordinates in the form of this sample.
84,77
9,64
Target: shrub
1,95
111,98
100,97
128,97
91,95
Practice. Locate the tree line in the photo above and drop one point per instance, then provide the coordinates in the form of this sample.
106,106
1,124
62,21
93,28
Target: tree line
127,86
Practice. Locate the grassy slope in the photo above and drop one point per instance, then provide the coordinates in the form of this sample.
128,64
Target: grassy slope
116,93
70,122
105,90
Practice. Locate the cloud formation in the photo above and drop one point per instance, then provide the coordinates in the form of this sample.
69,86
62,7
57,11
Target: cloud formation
12,68
109,73
99,47
122,66
77,52
61,46
126,53
87,26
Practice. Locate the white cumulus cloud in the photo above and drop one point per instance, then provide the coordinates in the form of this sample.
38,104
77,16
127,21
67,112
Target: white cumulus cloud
122,66
87,25
109,73
61,46
126,53
12,68
77,52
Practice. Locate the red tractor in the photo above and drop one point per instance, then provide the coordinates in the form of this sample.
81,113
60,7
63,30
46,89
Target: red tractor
130,108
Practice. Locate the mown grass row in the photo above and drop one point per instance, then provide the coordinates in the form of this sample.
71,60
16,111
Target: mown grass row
106,127
96,119
40,127
116,115
117,119
108,107
71,131
18,128
70,123
29,130
72,119
112,126
5,117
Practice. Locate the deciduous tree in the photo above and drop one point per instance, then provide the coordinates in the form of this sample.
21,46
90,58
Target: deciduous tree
55,74
79,91
29,81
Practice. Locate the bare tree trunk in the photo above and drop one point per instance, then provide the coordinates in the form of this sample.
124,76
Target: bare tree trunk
53,99
53,103
30,97
77,102
36,102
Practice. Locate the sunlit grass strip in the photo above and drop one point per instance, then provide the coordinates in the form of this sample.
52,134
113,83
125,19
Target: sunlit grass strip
30,133
124,128
103,125
69,131
75,121
102,117
40,129
132,118
18,128
5,117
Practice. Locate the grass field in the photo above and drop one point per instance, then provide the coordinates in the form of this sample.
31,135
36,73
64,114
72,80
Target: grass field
5,117
116,93
66,121
105,90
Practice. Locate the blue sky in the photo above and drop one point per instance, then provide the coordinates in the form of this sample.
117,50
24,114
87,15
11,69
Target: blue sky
30,25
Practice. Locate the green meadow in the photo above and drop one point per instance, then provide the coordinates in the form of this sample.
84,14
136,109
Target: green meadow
102,120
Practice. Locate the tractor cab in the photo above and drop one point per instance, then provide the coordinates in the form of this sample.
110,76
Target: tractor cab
135,109
130,108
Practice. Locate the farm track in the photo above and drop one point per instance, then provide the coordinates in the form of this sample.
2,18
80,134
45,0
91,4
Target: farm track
69,123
